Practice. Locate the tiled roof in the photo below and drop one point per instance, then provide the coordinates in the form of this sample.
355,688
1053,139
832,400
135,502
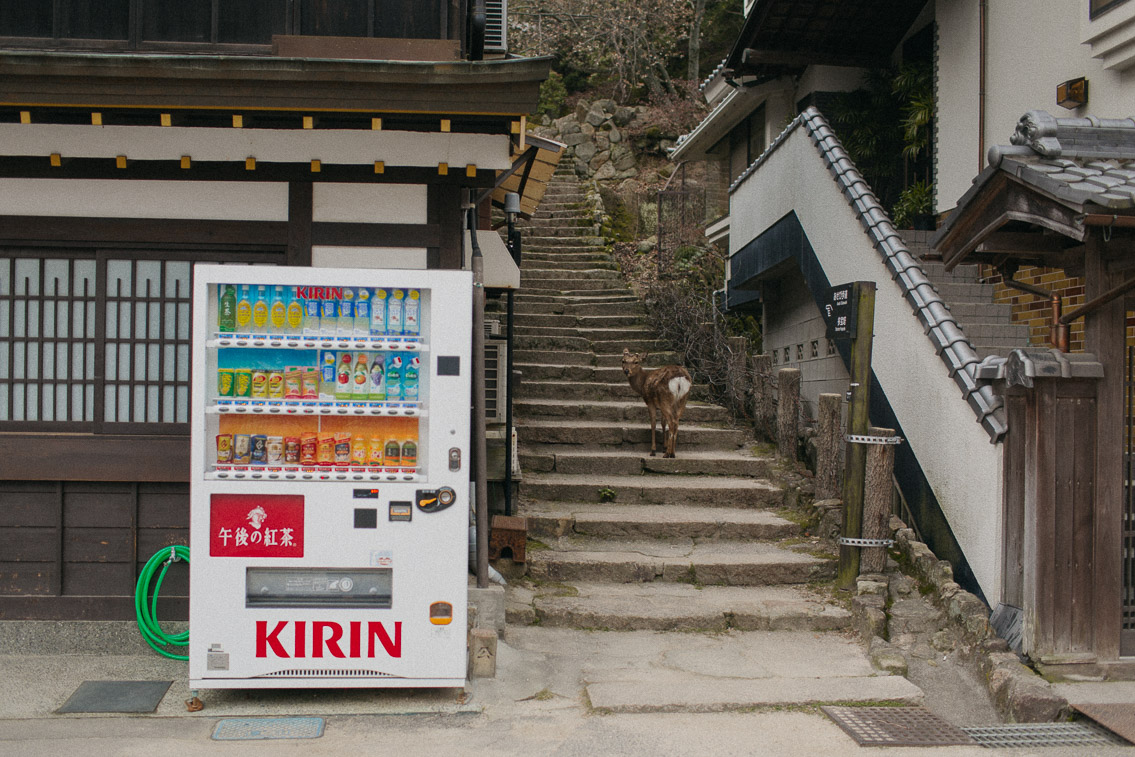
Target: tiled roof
1077,160
950,342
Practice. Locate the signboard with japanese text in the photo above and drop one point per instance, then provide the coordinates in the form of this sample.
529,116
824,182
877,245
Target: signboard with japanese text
256,525
840,310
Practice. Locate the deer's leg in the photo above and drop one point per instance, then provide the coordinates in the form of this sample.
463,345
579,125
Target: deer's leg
650,409
681,408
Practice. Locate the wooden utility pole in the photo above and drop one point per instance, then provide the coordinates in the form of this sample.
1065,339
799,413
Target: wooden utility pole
857,423
878,494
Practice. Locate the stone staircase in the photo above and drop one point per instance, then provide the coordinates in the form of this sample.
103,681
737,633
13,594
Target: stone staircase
988,324
621,540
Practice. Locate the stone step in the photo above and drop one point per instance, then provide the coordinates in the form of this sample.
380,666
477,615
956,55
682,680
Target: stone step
656,358
622,333
690,436
616,347
556,240
590,262
661,606
600,290
561,212
552,372
570,320
553,520
582,344
653,489
587,390
578,304
583,278
535,409
562,357
729,563
551,458
567,249
632,309
533,257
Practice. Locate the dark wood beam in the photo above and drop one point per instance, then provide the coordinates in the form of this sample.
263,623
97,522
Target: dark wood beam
299,223
186,232
1022,242
92,457
376,234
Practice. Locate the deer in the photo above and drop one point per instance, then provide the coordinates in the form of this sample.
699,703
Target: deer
665,391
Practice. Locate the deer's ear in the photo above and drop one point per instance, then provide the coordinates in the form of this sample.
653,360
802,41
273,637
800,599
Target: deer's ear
626,352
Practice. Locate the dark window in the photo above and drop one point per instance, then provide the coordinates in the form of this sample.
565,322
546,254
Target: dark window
96,341
177,20
251,21
407,19
94,19
1096,7
25,18
335,18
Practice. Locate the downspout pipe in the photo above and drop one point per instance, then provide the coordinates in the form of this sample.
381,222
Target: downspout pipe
983,12
481,468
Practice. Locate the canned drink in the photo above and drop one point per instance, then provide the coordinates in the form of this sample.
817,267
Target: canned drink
309,449
291,450
275,450
242,448
226,378
310,384
374,451
224,448
342,448
259,451
242,386
326,454
293,383
260,384
358,451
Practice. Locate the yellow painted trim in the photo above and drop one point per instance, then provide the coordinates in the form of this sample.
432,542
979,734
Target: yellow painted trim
167,119
238,121
250,164
25,117
120,161
443,169
186,162
471,170
316,166
96,119
56,160
376,124
514,127
161,106
308,122
380,166
446,124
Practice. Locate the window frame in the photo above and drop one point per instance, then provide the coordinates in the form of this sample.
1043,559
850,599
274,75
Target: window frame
1097,8
99,425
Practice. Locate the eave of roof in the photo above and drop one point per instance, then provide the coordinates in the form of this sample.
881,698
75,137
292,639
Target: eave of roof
717,124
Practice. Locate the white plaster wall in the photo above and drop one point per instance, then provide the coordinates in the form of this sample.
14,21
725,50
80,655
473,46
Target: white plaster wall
369,203
963,468
120,198
1032,45
368,257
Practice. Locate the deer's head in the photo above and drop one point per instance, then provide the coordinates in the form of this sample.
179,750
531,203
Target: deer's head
632,363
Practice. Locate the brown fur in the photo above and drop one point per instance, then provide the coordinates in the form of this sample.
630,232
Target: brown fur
654,388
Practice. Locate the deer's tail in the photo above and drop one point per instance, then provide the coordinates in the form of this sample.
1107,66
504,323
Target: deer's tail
679,386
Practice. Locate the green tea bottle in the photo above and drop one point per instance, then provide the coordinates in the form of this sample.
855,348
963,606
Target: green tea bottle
226,308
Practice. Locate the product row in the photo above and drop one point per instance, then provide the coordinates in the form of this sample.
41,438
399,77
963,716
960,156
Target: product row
318,311
317,449
345,375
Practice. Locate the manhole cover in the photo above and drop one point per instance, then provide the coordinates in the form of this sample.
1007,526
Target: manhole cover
1021,735
896,726
237,729
1119,718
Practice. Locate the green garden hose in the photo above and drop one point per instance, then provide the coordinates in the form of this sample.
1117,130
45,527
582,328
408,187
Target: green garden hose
147,612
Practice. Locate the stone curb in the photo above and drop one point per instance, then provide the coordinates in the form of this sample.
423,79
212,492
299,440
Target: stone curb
1020,694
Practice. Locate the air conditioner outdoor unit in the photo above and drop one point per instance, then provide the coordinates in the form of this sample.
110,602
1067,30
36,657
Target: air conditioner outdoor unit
496,394
496,26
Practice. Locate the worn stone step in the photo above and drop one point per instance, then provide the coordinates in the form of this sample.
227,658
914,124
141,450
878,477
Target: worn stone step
550,458
615,296
534,256
622,333
653,489
583,323
616,347
566,266
661,606
576,390
562,357
657,356
690,436
543,343
555,240
722,563
599,290
564,307
583,344
553,372
552,520
631,410
583,278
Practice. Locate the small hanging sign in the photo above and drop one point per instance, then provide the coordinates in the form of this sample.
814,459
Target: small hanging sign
840,309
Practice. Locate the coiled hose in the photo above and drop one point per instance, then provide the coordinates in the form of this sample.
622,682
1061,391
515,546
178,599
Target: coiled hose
147,612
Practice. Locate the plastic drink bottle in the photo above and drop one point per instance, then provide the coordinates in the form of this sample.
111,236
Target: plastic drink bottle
260,311
378,312
328,316
328,361
361,385
295,313
226,308
378,377
343,376
346,324
362,312
278,312
394,376
394,309
410,378
244,310
412,313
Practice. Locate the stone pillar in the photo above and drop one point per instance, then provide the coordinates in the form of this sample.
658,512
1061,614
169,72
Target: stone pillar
788,412
764,405
829,447
878,494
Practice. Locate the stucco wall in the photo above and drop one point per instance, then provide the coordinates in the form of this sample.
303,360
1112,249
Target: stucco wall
963,468
1032,45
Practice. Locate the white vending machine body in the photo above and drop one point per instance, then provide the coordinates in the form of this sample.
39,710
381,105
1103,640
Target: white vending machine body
330,477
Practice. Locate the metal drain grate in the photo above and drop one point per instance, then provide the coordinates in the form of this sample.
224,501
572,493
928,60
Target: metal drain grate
896,726
237,729
1021,735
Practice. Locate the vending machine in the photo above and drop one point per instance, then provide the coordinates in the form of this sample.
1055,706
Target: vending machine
330,477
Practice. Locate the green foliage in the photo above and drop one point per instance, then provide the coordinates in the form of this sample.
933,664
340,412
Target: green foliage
607,494
914,86
915,200
553,96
